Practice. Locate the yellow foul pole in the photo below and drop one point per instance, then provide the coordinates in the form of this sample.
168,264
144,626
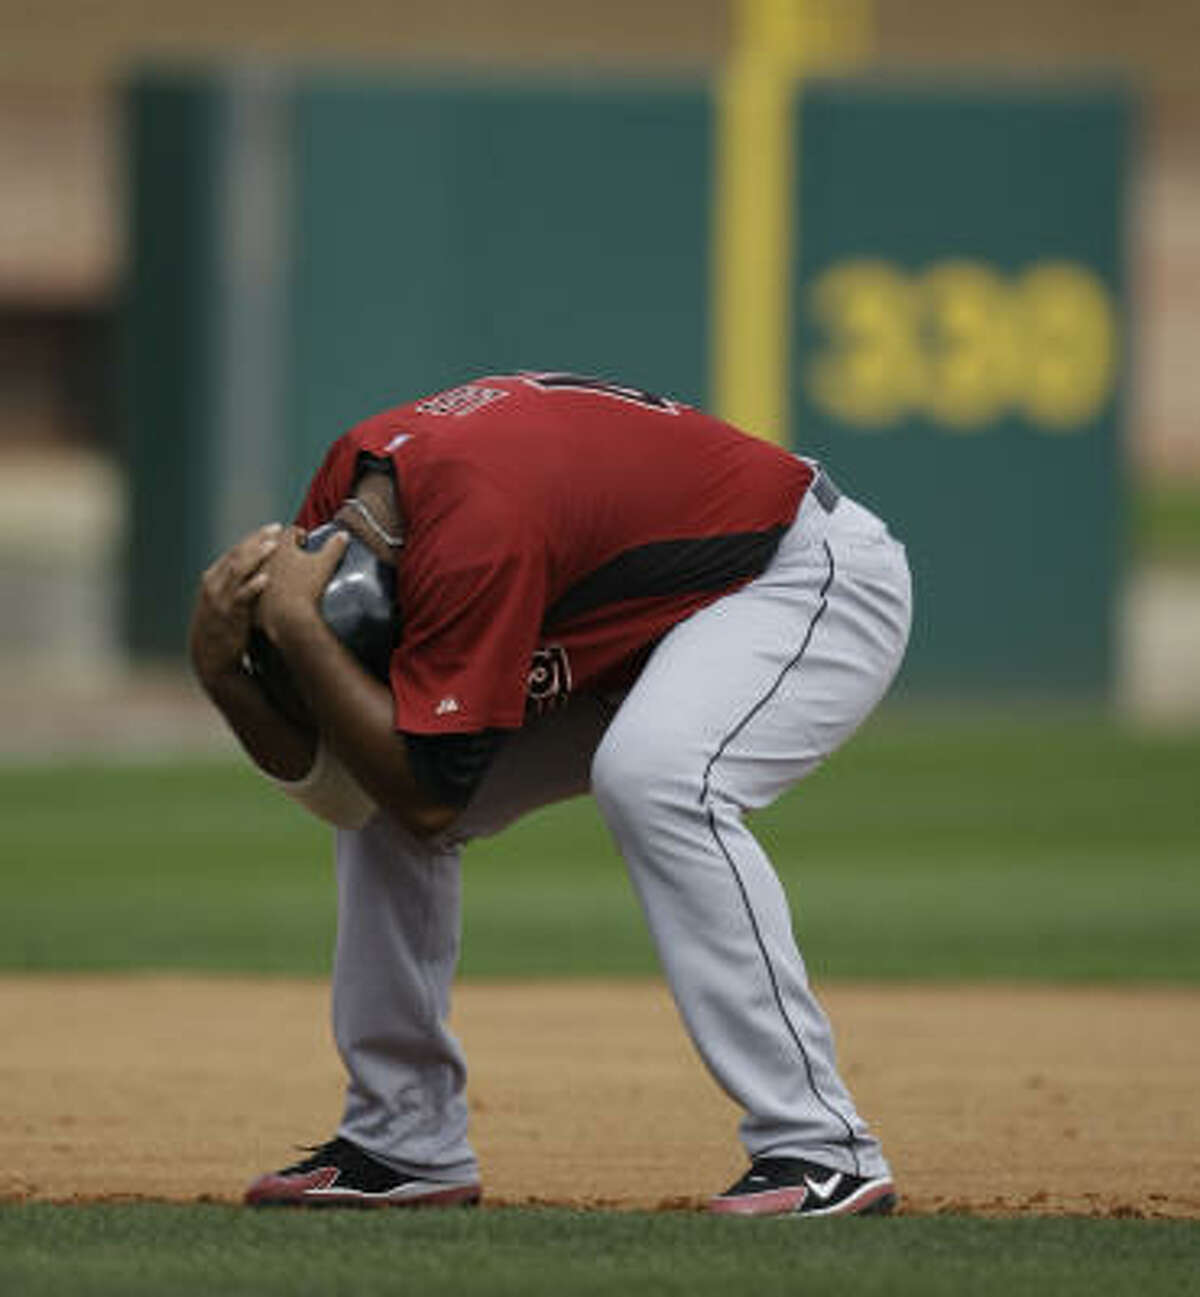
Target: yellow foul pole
773,43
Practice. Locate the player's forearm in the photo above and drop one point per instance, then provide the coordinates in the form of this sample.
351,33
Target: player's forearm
217,637
275,744
354,714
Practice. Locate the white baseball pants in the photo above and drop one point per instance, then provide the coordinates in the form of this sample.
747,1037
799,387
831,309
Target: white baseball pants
735,705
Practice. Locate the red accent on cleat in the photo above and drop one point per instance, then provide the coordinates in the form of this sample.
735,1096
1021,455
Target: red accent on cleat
320,1189
771,1202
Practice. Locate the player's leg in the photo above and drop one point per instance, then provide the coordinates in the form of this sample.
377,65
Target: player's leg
398,939
735,705
397,948
399,919
403,1135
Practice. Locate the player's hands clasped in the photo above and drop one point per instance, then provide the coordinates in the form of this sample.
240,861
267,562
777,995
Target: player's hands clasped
222,616
295,578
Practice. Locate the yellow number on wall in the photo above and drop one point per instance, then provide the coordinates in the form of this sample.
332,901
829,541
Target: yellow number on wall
973,342
872,371
1071,331
962,345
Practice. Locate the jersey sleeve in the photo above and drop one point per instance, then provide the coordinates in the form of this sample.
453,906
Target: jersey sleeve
330,485
473,592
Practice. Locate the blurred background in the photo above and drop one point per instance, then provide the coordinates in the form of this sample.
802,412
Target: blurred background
952,249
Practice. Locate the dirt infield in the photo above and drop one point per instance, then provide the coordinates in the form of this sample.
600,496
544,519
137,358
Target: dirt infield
992,1100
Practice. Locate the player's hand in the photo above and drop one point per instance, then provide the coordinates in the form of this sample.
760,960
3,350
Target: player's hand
221,617
294,580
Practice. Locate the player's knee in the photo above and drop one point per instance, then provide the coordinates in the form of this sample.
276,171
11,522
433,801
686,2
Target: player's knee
630,779
608,776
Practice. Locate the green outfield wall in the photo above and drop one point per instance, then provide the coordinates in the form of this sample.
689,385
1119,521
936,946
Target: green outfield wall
959,356
307,249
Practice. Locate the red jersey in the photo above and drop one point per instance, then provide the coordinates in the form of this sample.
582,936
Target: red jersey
556,528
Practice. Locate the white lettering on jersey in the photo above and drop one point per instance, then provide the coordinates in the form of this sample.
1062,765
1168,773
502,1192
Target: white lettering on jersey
448,706
460,401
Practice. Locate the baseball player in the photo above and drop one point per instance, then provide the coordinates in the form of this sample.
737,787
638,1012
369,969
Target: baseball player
596,589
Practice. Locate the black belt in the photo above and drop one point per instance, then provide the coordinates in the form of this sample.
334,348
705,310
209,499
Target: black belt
824,492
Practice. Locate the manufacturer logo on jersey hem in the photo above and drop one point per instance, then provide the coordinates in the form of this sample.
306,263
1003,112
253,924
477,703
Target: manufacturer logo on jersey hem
448,706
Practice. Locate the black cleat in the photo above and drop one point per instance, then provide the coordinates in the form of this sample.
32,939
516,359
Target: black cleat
790,1186
340,1174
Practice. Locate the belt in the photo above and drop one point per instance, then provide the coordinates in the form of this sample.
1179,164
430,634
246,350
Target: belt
824,492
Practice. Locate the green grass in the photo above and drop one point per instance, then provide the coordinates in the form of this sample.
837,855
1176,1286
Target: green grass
1054,847
1051,847
151,1250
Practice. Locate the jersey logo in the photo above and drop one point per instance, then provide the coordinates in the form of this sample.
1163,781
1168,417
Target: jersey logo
460,401
448,706
549,683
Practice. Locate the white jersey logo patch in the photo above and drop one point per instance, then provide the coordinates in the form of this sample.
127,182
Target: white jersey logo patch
460,401
548,684
448,706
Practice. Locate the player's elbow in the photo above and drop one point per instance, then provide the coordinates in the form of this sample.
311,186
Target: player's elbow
426,821
384,772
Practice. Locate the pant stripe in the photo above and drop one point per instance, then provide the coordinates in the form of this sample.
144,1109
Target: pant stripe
778,994
733,869
774,689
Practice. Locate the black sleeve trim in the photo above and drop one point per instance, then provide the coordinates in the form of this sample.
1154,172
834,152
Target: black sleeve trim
449,767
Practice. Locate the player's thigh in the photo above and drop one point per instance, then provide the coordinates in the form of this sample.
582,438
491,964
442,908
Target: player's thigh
548,760
750,694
